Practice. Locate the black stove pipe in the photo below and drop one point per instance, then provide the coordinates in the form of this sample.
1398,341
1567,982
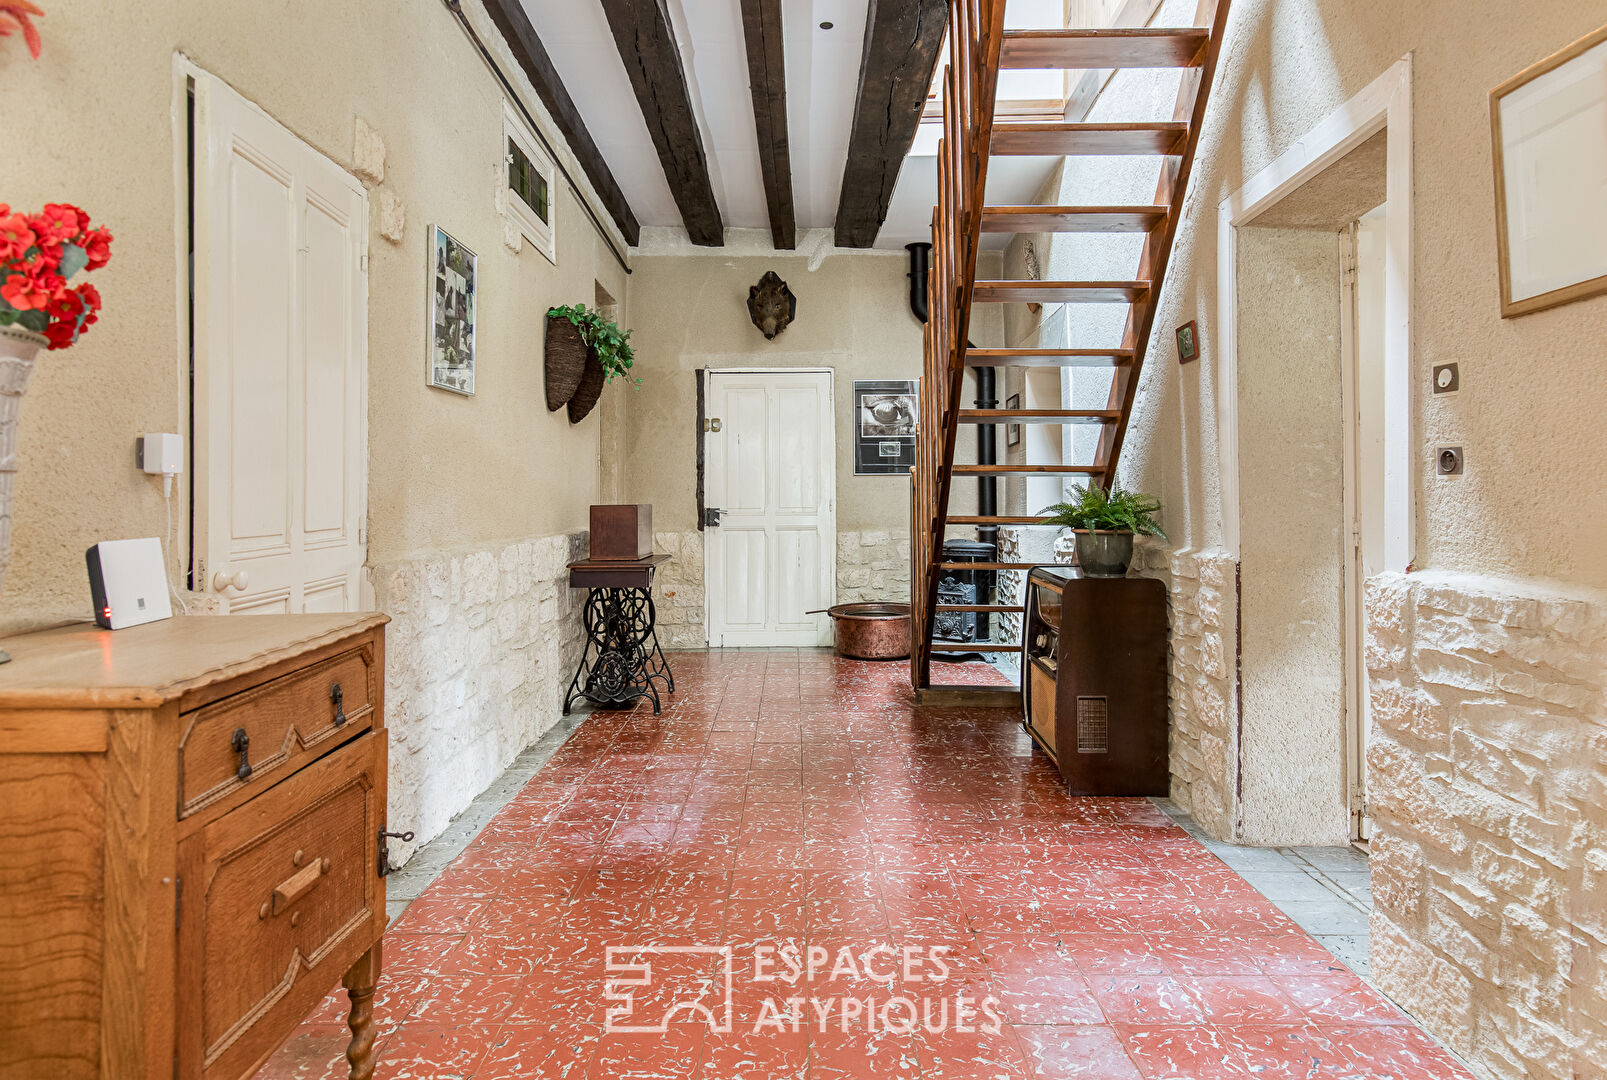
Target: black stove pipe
987,437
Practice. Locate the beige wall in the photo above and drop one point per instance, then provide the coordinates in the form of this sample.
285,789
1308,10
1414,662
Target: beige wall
474,503
691,312
1485,666
445,471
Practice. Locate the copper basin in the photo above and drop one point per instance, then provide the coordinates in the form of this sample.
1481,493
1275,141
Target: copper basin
875,631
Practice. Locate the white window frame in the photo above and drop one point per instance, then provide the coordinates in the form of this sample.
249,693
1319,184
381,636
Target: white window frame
542,234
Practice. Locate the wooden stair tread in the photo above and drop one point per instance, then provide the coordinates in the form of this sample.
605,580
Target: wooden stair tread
996,519
1071,219
1059,139
1039,416
1029,470
1058,292
1144,47
1090,358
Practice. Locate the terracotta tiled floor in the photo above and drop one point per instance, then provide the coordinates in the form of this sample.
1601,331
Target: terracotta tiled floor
793,800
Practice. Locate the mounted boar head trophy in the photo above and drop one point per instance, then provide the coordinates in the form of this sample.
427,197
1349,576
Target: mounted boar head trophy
771,305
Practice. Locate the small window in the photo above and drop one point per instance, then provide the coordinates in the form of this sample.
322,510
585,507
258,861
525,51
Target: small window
530,184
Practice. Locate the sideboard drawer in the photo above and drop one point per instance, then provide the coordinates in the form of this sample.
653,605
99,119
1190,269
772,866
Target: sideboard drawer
281,895
252,738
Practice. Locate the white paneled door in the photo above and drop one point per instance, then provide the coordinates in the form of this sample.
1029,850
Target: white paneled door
281,316
771,473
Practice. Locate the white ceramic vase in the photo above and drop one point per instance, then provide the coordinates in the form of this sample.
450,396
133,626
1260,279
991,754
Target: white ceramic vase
18,347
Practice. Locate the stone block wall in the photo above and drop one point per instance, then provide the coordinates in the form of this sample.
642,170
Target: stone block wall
1203,681
870,566
1488,790
478,654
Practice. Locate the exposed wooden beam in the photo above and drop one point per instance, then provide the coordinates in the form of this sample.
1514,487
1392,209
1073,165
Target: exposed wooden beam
646,43
767,75
514,25
902,38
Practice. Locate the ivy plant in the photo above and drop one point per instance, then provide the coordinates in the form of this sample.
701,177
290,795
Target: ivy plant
612,345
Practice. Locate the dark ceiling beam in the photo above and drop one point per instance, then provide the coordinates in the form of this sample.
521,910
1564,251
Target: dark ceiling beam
902,39
767,75
514,25
646,43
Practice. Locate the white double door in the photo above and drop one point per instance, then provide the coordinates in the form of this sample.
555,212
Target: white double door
771,472
280,353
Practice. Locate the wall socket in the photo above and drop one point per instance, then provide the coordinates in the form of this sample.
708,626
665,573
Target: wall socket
1448,461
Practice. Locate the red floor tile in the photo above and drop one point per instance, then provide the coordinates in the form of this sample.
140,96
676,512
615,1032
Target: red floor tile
790,804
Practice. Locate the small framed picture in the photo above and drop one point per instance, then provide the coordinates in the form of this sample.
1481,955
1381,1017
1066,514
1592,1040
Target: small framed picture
1188,343
452,315
1012,432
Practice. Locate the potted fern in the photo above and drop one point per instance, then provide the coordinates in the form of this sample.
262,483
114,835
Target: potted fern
607,356
1104,524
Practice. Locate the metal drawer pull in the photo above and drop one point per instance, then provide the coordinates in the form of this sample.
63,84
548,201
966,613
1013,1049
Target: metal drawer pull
338,696
297,885
242,746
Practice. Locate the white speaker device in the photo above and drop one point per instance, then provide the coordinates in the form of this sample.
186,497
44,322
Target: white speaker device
128,582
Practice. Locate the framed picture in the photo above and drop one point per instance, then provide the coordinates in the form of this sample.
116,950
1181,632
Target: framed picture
1012,432
452,300
1188,343
1548,126
885,414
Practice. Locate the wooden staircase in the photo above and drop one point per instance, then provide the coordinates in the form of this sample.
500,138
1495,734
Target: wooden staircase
979,48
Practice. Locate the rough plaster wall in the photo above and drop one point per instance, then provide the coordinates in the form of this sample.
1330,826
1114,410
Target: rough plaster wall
1202,687
1488,768
1527,416
442,467
479,653
469,519
1291,451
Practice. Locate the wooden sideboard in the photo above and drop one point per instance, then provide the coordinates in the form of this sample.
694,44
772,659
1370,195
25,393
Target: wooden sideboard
191,842
1094,668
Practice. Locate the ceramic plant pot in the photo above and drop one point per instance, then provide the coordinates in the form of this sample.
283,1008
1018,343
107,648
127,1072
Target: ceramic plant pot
18,347
1104,554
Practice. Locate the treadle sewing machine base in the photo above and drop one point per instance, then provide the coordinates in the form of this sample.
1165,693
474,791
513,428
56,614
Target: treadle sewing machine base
622,661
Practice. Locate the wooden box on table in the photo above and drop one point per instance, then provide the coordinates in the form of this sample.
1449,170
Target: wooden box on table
190,817
1095,680
622,531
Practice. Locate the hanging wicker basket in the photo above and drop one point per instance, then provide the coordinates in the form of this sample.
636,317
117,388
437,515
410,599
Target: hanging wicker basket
567,354
589,390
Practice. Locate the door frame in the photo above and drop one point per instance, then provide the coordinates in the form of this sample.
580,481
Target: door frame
187,73
1385,104
830,551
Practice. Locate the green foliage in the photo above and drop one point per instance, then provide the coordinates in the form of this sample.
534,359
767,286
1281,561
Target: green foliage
612,344
1118,510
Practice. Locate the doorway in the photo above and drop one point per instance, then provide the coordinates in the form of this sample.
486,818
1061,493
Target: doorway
278,352
770,523
1314,423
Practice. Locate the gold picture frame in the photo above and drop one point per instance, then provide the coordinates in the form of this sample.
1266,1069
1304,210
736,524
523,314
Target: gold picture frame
1555,216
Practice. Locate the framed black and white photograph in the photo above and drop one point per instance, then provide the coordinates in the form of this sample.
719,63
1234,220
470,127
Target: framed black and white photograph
1012,432
885,414
452,301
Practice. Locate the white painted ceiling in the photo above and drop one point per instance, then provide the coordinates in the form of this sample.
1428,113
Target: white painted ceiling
822,79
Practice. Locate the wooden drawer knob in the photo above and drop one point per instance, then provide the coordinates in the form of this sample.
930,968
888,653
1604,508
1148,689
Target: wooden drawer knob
297,885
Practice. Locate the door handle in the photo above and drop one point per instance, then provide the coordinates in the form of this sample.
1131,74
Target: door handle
237,580
711,516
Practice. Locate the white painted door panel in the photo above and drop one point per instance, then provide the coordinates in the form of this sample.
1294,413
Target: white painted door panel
771,470
280,358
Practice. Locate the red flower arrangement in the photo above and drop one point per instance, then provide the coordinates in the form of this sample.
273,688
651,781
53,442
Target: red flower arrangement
38,253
